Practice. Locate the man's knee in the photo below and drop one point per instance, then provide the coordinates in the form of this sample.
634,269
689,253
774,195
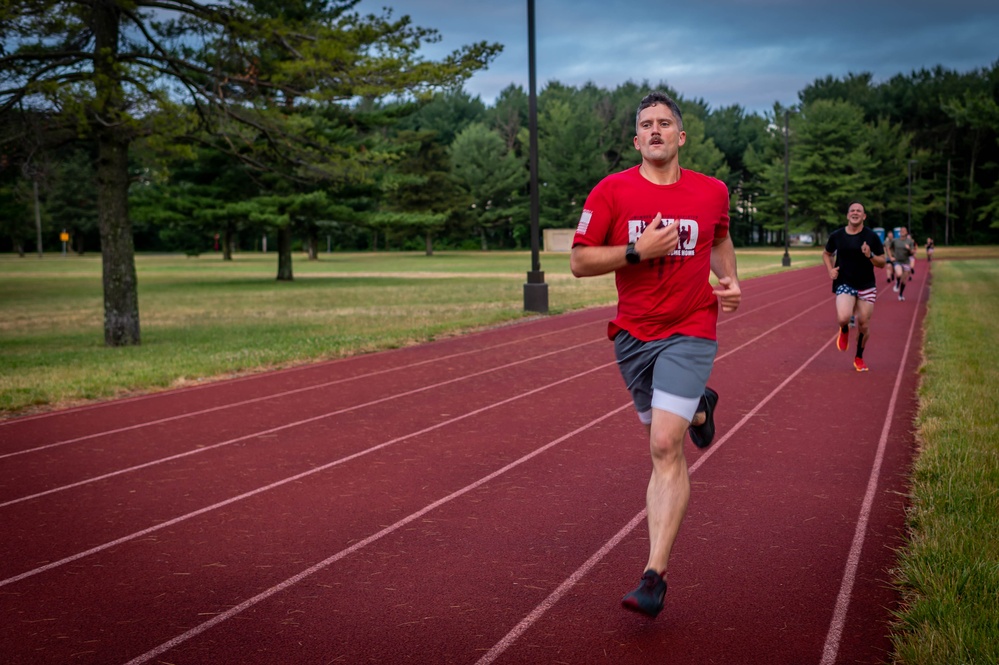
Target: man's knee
666,441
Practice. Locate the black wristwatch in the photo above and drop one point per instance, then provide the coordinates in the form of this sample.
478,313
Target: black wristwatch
631,255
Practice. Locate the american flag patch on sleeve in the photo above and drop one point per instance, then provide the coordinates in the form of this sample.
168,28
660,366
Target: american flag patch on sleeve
584,222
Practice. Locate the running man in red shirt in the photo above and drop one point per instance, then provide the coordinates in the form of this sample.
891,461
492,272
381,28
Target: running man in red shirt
662,230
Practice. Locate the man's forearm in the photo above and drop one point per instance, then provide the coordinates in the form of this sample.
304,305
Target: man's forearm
592,261
723,262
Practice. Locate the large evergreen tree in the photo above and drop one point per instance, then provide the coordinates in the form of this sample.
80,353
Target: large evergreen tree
117,70
419,193
495,179
831,164
944,118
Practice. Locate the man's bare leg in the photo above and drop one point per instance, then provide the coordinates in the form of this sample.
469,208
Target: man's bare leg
666,503
845,305
669,487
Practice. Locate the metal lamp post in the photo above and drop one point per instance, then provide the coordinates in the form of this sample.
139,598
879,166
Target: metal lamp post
535,290
786,261
909,169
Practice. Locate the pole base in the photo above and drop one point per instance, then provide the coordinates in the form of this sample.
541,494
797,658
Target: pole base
536,292
786,261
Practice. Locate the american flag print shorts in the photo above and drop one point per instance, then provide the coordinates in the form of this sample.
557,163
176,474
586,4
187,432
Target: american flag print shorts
867,295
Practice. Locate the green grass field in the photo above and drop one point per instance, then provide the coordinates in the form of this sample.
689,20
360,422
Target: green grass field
203,318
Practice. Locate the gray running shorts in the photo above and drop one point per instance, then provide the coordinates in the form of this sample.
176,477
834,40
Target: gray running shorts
667,374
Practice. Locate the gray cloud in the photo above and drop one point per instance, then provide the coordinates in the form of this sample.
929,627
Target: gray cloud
747,52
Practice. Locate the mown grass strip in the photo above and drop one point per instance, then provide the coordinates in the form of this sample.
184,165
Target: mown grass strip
949,571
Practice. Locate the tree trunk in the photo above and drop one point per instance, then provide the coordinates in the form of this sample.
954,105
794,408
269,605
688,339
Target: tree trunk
430,244
284,255
227,242
121,299
313,248
121,302
969,217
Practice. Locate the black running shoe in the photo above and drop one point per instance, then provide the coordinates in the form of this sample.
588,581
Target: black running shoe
702,435
648,598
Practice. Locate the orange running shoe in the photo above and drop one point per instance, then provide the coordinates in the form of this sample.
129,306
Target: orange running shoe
842,340
859,365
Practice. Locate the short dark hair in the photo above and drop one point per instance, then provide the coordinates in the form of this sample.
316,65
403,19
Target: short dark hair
657,97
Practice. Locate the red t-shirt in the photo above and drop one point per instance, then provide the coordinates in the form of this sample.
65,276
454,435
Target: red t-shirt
669,295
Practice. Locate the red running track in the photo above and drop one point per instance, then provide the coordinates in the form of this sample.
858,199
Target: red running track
474,500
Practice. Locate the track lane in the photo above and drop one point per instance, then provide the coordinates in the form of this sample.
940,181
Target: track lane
216,557
119,453
164,493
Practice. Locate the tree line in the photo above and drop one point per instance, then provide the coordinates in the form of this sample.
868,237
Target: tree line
172,126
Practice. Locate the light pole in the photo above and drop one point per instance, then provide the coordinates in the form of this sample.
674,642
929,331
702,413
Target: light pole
535,290
947,208
34,172
786,261
909,169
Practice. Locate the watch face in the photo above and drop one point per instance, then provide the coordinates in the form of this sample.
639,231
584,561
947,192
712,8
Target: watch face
630,255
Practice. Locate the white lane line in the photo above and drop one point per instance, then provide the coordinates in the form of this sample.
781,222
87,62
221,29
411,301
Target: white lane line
277,395
785,281
197,630
507,641
532,617
835,635
280,428
290,479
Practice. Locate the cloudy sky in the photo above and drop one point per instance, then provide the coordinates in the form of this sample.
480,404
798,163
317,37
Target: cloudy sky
747,52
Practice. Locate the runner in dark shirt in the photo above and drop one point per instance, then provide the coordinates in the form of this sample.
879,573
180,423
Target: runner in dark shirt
851,255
